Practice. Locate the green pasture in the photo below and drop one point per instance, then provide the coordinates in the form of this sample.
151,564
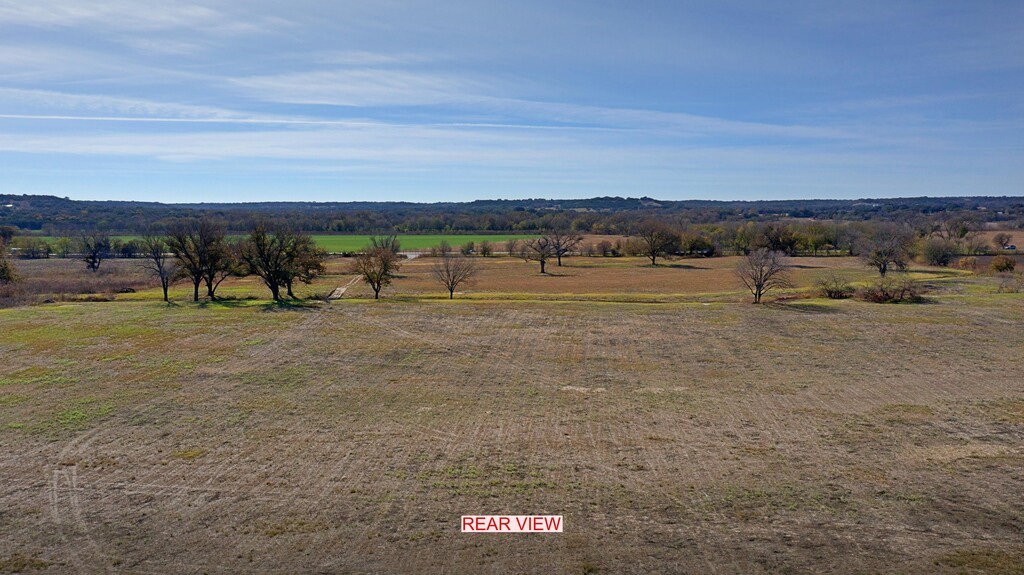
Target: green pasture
350,243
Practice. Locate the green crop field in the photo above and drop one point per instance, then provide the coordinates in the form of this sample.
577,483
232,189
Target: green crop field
348,243
336,243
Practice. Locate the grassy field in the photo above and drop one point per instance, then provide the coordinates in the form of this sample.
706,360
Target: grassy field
699,434
349,243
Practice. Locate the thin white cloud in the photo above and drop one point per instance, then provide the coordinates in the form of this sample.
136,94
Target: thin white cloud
361,87
130,14
48,99
364,58
380,88
144,16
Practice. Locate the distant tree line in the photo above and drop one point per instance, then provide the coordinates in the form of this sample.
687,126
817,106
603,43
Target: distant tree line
48,215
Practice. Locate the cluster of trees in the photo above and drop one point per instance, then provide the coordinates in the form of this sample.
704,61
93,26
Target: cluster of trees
201,252
8,274
378,263
204,255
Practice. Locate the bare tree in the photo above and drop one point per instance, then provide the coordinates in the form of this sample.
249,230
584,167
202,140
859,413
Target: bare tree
539,250
158,262
887,245
266,255
377,266
280,257
957,229
1002,240
763,270
562,243
656,240
95,249
512,246
184,242
222,261
389,243
204,254
451,271
305,262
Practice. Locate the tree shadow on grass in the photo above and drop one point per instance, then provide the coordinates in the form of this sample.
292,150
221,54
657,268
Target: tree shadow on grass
804,307
228,303
290,305
678,266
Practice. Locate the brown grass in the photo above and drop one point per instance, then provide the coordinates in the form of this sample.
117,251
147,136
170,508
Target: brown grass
808,436
596,276
69,280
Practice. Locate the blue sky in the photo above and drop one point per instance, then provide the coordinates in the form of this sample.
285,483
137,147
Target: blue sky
460,100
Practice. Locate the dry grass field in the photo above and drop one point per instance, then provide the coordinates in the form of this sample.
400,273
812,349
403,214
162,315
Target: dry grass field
678,429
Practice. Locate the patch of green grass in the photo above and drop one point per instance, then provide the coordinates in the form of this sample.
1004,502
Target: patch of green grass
190,454
84,412
32,376
11,399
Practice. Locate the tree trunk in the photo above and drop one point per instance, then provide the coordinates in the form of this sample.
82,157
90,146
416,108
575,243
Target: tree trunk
654,259
542,262
165,284
559,258
451,293
195,291
376,293
275,291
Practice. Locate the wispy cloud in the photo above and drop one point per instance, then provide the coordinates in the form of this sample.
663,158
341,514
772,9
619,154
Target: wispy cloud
133,15
136,108
363,87
704,93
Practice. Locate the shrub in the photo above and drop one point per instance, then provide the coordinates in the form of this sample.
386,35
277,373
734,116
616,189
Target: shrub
892,290
835,287
938,252
1011,282
486,249
969,263
8,274
631,247
1003,264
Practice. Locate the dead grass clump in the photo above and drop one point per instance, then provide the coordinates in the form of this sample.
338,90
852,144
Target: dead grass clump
988,561
63,280
1010,282
893,290
833,286
18,563
969,263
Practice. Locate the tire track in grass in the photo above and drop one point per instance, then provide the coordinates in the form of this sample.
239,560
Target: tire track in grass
65,485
